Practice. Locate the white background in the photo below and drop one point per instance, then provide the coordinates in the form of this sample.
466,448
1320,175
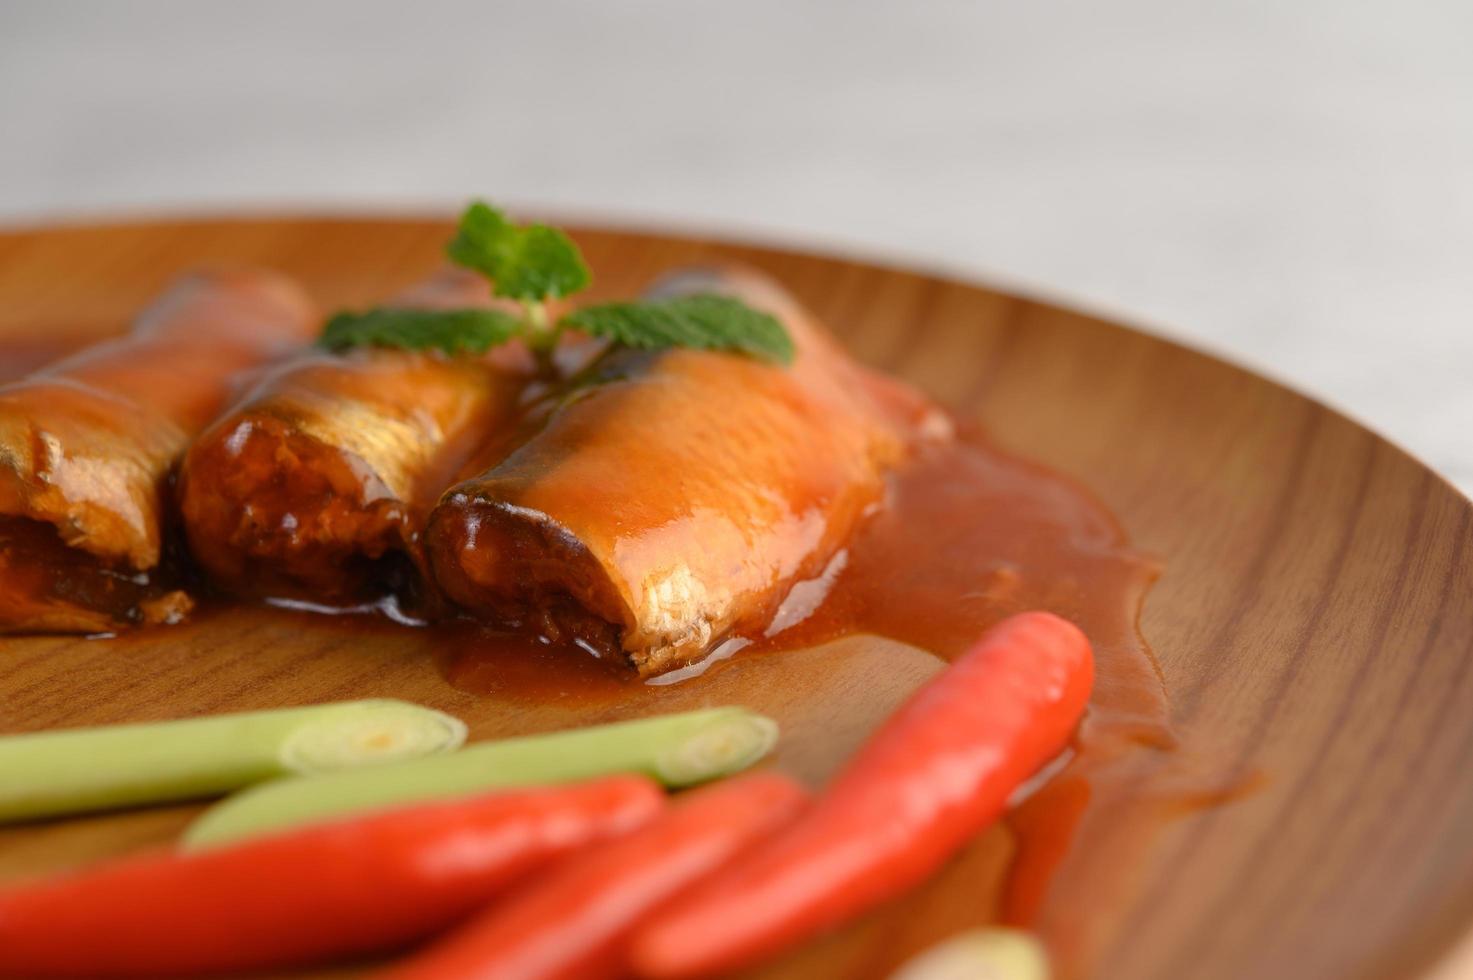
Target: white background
1289,183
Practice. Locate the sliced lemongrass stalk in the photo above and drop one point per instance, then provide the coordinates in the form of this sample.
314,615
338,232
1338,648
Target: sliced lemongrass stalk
77,770
678,750
980,954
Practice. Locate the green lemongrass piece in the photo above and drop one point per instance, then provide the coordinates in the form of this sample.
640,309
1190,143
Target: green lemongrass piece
678,750
991,953
76,770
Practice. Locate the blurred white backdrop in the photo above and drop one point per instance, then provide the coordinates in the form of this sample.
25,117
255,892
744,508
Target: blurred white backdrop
1289,183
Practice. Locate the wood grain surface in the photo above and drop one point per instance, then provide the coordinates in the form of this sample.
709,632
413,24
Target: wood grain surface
1314,621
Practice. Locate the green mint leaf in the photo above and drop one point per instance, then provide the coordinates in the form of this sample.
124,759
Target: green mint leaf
482,239
544,264
471,331
533,263
700,320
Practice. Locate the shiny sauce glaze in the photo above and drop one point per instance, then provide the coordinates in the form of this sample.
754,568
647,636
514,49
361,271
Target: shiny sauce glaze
966,535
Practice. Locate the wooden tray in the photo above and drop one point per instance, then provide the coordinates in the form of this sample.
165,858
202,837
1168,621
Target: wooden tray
1314,623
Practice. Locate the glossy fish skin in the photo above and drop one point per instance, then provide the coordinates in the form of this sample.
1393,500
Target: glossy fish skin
333,460
87,444
671,499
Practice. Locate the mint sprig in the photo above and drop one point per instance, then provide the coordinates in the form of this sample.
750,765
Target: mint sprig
704,321
534,263
538,263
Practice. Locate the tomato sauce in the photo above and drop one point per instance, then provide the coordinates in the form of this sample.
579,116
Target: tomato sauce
966,536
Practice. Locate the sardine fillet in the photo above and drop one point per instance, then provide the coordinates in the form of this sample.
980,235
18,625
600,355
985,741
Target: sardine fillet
333,460
87,445
672,499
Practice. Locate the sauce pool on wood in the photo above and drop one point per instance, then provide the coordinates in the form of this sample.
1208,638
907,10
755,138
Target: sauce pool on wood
968,536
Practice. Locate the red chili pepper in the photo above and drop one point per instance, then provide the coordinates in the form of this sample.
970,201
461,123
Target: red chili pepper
936,773
370,883
571,922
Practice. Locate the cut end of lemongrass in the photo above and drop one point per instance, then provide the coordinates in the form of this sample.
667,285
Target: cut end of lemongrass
727,744
366,733
981,954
